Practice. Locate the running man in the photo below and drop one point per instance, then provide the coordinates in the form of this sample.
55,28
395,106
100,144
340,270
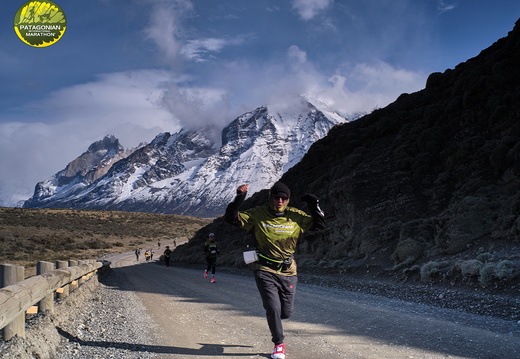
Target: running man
211,250
277,228
167,253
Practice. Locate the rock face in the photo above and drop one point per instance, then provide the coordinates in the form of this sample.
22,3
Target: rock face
187,172
435,173
426,188
82,171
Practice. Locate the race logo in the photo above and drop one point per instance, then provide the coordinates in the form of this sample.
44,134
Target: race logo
40,23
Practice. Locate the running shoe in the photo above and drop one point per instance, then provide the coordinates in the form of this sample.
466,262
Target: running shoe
205,274
213,280
278,351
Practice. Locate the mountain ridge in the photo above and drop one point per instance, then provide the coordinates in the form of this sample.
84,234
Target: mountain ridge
188,173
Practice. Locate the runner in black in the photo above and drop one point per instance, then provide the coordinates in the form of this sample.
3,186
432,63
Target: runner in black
211,250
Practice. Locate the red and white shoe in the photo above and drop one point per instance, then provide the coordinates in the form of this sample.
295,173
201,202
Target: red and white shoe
205,274
213,280
278,351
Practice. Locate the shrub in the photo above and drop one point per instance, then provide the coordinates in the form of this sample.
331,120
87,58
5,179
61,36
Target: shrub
96,243
504,270
407,251
323,263
411,270
487,274
428,270
471,268
338,263
485,257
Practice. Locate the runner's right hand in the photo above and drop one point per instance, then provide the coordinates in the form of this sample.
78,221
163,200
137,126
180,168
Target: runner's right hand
242,188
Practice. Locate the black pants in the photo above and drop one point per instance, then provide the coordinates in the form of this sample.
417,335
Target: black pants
167,261
212,264
277,292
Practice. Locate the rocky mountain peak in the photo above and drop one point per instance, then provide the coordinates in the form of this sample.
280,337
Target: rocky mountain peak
108,143
186,172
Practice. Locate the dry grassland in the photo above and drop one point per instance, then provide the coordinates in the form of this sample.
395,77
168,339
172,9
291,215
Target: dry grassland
31,235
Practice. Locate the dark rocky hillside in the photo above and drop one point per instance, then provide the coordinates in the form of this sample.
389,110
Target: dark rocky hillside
425,190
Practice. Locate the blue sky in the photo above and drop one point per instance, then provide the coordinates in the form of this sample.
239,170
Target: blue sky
135,68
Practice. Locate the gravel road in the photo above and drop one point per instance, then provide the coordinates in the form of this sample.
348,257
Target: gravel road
144,310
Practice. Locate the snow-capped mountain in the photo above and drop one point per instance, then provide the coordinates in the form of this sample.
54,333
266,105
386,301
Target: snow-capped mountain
187,173
80,173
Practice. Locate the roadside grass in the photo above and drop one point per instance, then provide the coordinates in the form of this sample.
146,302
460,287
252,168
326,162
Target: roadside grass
31,235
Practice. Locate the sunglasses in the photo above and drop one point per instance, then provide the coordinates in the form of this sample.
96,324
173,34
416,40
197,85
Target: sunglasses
280,198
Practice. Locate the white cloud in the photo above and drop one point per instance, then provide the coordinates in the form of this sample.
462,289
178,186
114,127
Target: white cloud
349,88
365,87
307,9
114,101
294,52
198,50
443,7
166,29
197,106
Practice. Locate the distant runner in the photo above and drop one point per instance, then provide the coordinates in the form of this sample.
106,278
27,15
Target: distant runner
167,253
211,250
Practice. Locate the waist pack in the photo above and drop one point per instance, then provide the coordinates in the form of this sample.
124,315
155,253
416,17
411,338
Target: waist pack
276,264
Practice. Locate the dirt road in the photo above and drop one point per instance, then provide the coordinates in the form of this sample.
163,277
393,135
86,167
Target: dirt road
193,318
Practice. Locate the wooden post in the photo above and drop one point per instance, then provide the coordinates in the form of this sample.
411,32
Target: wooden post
74,285
12,274
17,298
82,279
65,292
46,303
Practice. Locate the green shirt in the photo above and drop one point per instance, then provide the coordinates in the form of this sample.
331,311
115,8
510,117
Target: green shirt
276,236
211,248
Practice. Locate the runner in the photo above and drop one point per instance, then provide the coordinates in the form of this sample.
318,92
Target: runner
167,253
276,228
210,248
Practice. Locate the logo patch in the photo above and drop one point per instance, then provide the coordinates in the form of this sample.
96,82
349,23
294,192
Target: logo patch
40,23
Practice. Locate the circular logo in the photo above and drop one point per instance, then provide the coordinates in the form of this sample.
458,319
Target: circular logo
40,23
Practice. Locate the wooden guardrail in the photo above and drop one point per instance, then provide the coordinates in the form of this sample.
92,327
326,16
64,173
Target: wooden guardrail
19,296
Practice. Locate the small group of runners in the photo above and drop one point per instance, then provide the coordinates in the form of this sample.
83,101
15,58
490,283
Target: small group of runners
148,254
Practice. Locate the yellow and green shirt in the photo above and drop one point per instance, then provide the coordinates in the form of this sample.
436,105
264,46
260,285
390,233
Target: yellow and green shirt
276,236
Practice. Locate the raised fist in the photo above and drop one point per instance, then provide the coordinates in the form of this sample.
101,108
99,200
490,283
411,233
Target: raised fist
242,188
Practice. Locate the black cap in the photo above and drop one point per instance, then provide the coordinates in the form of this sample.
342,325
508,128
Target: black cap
281,190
